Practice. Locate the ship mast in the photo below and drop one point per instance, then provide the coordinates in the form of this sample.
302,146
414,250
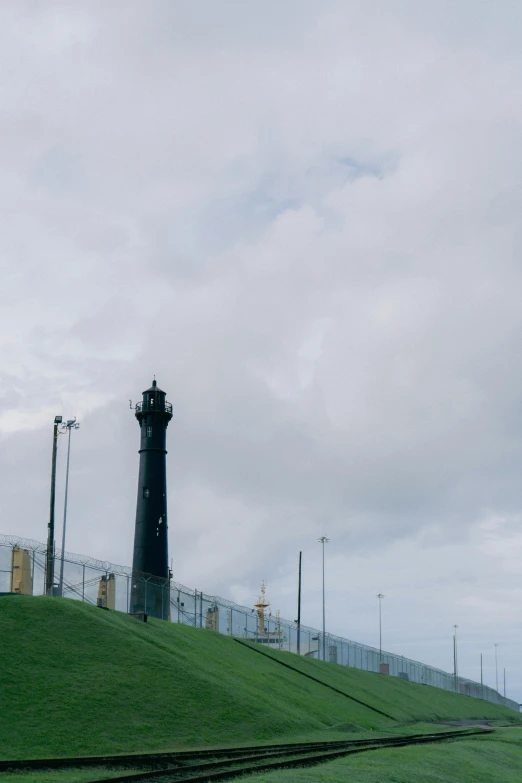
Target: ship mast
261,605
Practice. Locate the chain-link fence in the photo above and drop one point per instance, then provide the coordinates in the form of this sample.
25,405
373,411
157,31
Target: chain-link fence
22,569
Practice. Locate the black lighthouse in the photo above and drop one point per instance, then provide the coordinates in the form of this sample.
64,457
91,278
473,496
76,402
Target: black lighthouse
150,592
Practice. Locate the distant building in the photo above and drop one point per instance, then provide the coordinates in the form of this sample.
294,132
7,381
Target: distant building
212,618
107,592
21,581
306,647
332,653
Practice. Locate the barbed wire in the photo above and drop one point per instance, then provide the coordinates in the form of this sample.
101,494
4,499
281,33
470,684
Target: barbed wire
105,566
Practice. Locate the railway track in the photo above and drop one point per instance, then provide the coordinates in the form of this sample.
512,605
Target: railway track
209,765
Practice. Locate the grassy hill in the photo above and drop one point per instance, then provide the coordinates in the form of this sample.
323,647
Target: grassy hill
79,680
406,702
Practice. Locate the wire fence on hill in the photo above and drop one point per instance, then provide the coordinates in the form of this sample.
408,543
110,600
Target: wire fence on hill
22,569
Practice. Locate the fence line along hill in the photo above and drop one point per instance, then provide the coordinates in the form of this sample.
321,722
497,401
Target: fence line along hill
81,680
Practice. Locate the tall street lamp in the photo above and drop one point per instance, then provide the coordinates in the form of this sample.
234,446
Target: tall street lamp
380,596
324,540
496,666
72,424
299,607
455,658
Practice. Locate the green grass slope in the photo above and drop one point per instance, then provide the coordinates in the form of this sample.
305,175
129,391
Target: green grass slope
75,680
406,701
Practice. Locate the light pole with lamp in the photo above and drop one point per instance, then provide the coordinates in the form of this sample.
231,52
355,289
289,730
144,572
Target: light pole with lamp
455,658
299,607
380,596
49,557
324,540
70,425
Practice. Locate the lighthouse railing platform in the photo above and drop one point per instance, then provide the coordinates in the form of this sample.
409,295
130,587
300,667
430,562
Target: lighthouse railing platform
141,407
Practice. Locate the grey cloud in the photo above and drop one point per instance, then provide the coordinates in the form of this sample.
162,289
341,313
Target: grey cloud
305,222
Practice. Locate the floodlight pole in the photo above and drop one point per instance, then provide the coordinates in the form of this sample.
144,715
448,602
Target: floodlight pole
49,564
71,424
455,658
324,540
380,596
299,608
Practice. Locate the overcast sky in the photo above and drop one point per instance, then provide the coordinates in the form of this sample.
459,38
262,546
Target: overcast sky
304,219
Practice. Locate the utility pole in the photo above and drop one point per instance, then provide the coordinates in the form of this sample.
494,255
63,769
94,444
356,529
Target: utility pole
71,424
49,565
455,658
324,540
496,666
299,608
380,596
481,680
504,683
